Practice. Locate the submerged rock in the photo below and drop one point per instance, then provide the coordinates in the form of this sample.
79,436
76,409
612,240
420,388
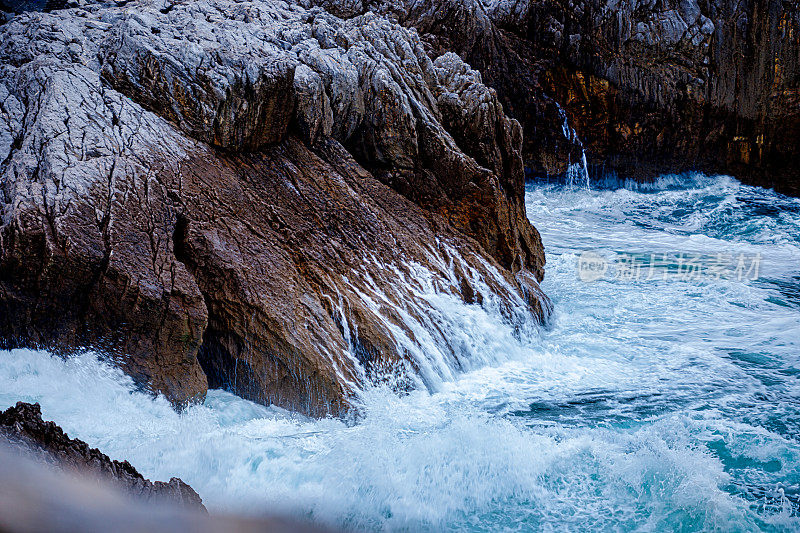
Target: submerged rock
253,195
22,428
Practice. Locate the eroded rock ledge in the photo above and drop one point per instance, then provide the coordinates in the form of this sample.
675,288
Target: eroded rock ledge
253,195
22,429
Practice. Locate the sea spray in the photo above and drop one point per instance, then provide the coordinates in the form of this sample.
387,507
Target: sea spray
648,404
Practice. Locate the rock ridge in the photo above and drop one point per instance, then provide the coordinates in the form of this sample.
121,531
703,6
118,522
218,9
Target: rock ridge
22,427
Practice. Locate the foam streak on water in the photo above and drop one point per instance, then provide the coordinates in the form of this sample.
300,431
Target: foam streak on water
648,405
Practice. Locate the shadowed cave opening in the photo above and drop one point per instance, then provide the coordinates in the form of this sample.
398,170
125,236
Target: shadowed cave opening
222,370
222,354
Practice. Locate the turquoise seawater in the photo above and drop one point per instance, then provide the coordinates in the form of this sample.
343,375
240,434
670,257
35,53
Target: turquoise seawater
649,403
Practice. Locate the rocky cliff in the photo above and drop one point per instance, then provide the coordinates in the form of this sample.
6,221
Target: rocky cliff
262,195
253,195
649,86
663,86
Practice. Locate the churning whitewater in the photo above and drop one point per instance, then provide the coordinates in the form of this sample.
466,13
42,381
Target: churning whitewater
649,402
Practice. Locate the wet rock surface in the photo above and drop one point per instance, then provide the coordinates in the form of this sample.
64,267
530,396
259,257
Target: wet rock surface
22,429
255,196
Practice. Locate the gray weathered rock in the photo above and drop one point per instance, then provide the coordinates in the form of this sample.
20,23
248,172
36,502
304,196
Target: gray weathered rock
208,192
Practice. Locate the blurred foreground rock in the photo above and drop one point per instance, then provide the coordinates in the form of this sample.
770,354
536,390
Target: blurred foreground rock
37,499
22,429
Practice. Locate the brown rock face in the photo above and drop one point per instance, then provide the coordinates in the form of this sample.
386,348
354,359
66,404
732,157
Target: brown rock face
22,427
85,258
285,283
254,196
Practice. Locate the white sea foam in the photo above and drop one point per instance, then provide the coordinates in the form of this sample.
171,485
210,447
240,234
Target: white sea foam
647,405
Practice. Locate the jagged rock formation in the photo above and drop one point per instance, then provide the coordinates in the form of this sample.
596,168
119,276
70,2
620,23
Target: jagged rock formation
253,195
22,428
652,87
649,86
507,62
